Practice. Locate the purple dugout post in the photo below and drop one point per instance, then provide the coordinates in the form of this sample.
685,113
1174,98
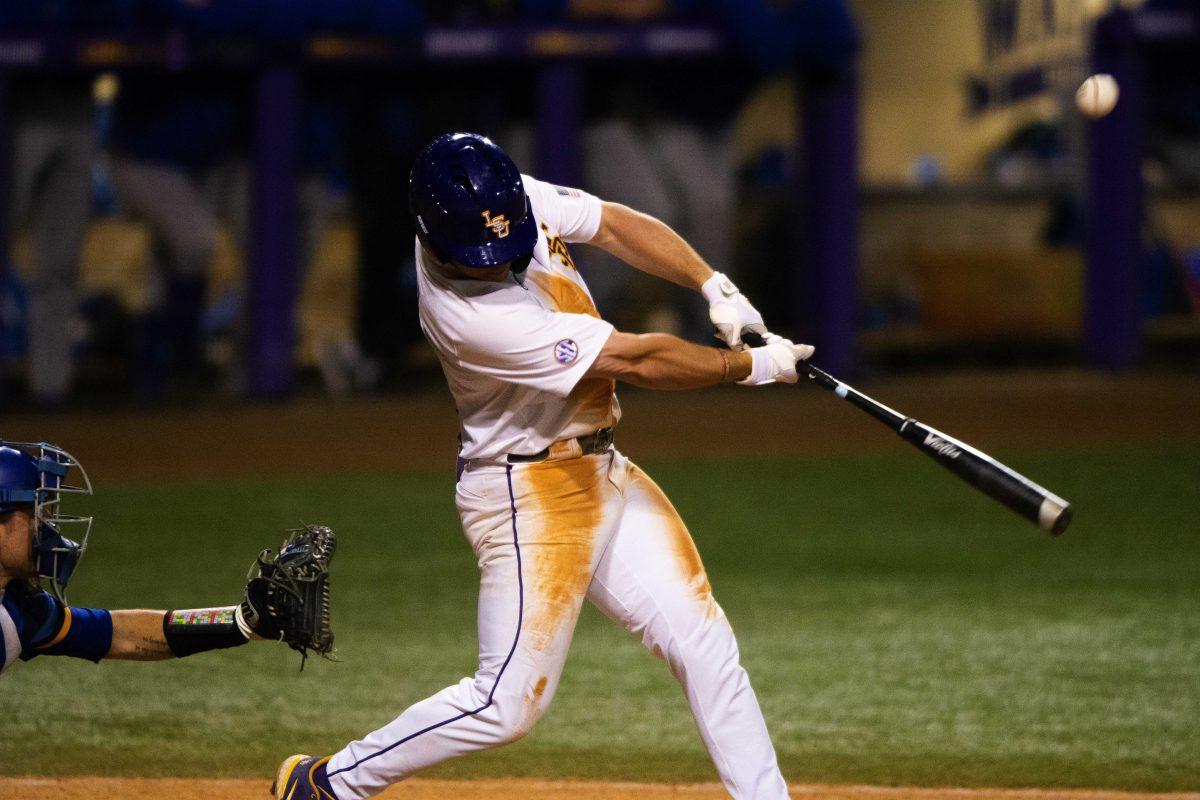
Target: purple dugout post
558,137
273,275
1113,220
826,285
6,166
6,170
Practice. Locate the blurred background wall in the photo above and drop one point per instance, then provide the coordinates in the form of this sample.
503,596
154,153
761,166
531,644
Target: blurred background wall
206,198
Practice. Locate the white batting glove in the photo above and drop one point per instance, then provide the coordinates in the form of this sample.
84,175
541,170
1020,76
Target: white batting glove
730,312
775,362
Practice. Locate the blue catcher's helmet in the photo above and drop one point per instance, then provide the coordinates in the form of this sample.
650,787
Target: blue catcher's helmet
34,476
469,203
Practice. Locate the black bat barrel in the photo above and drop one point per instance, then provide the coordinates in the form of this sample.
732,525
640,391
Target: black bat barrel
1045,509
989,476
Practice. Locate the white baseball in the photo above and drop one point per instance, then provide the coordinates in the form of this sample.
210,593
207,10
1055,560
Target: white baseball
1097,95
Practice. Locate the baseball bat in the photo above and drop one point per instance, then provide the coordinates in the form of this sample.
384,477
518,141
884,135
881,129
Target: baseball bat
1047,510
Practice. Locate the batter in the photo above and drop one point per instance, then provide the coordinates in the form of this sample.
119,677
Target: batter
554,513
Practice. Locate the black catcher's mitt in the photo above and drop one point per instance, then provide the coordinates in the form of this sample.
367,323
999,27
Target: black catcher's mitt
287,595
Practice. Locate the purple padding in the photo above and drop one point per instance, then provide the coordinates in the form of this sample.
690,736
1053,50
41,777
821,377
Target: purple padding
558,149
826,286
6,157
1113,212
273,266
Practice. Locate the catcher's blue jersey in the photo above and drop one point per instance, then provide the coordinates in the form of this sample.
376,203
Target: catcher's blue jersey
34,623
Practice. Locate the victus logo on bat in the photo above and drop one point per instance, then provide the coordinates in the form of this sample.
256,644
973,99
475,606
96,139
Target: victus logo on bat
941,446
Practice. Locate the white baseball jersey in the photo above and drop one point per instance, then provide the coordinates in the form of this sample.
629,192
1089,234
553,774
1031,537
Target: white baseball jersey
514,351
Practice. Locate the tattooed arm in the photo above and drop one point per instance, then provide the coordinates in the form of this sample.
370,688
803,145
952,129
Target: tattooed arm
50,627
155,635
138,636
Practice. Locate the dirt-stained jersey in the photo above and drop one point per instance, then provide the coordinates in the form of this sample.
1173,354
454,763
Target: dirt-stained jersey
515,351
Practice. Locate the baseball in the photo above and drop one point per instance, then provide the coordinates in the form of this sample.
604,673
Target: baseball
1097,95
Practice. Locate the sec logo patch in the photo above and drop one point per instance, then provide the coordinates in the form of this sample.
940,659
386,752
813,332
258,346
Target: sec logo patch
566,351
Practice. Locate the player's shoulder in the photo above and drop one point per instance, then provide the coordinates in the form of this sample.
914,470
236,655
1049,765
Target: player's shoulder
19,611
532,184
26,606
535,190
544,193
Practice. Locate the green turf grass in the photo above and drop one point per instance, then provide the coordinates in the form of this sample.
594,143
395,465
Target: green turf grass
897,627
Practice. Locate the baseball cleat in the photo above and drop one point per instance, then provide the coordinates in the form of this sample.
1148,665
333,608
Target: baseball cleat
302,777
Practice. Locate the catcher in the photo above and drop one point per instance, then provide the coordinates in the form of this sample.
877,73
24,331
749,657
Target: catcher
286,599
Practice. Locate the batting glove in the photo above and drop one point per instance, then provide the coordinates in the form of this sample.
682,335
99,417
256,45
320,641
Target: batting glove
775,362
731,313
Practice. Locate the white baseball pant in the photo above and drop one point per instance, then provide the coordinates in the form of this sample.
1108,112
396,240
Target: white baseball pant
546,536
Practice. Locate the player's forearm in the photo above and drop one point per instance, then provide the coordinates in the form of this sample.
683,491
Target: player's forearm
649,245
138,636
156,635
661,361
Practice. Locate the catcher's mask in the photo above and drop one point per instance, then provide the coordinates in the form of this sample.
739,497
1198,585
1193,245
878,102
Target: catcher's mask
37,475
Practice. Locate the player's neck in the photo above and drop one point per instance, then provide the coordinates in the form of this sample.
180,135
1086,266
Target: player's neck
453,269
492,275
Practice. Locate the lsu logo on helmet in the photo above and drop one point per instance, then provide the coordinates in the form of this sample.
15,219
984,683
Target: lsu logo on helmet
498,224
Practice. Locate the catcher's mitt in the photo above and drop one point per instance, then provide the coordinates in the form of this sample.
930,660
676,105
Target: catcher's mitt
287,595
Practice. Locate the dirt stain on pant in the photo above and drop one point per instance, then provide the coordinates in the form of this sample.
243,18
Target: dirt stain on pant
683,547
560,512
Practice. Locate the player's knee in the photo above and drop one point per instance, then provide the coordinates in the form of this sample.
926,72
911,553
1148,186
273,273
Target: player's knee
516,713
709,646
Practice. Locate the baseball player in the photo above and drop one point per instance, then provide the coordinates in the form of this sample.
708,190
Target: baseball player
34,549
554,513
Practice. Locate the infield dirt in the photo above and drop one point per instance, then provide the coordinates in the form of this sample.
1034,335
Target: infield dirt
519,789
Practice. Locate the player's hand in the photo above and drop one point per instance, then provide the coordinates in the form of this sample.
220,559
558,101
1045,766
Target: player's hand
775,361
731,313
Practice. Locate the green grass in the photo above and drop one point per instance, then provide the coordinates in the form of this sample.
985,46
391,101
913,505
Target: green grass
898,628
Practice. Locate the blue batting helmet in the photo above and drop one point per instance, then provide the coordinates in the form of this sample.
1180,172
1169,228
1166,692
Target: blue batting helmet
35,476
470,204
